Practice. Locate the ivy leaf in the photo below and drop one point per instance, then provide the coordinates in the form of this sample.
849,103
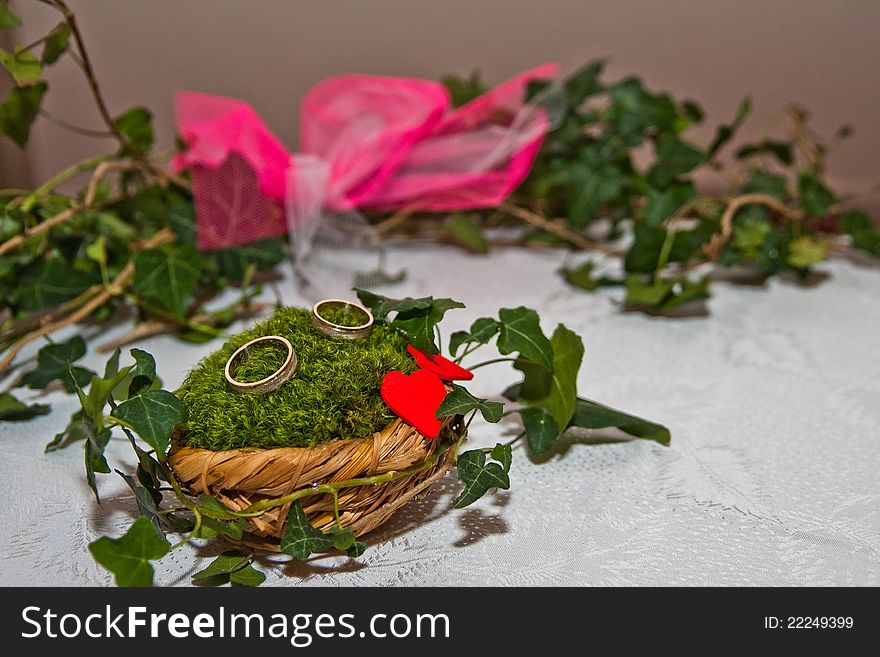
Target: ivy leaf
750,233
89,425
100,389
148,471
634,109
464,230
584,82
418,324
674,158
153,415
662,204
770,184
461,402
11,223
247,576
146,502
559,400
217,507
211,527
56,43
781,150
137,125
774,252
482,330
582,277
651,294
7,18
129,556
804,252
51,282
664,294
540,427
521,332
19,110
692,111
463,90
97,250
592,415
503,453
815,197
380,306
867,241
22,65
688,243
182,219
13,410
537,380
725,132
300,538
478,477
263,255
111,367
591,188
143,373
864,235
167,276
77,429
855,221
644,254
95,444
357,549
342,538
685,291
52,365
223,565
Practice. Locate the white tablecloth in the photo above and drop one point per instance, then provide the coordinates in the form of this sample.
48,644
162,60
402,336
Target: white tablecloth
771,478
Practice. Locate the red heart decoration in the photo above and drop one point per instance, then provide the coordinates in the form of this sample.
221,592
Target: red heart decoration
442,367
415,399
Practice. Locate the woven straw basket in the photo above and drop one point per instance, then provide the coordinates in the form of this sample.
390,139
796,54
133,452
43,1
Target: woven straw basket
240,477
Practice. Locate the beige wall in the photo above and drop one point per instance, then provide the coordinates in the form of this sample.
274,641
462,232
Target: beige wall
823,54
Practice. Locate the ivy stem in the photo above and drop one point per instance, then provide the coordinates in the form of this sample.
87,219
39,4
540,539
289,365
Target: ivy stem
187,538
261,507
85,64
76,129
713,248
492,361
28,203
69,16
559,230
665,250
335,494
468,351
187,323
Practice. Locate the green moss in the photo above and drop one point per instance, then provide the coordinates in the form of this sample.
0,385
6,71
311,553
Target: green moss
334,392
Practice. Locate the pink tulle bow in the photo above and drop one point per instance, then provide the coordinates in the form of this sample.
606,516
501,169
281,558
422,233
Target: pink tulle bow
367,142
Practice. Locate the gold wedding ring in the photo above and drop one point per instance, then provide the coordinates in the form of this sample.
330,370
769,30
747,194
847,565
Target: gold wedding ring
271,382
340,331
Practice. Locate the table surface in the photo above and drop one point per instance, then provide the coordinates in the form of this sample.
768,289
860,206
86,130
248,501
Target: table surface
771,477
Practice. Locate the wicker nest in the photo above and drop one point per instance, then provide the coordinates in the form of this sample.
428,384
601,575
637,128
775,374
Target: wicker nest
241,477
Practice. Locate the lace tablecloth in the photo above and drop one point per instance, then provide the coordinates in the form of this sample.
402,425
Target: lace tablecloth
771,478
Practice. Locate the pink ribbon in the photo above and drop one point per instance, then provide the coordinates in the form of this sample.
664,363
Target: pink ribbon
367,142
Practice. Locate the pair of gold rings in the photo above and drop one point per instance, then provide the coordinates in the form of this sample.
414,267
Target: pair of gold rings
362,328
